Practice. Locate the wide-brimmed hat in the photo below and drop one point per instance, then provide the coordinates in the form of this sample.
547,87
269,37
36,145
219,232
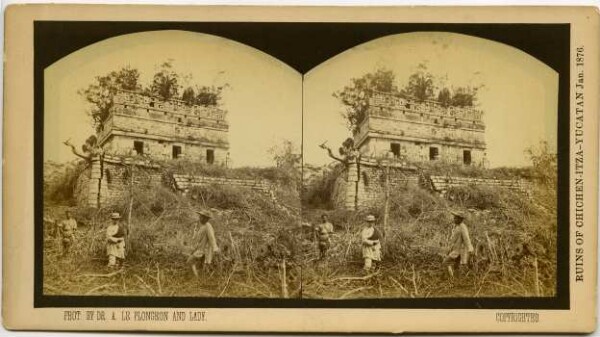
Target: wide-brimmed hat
203,213
115,215
458,214
370,218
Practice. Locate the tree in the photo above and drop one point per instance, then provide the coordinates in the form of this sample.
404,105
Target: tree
289,164
286,156
189,96
445,97
89,149
544,162
421,84
356,96
464,96
165,83
101,93
209,96
128,78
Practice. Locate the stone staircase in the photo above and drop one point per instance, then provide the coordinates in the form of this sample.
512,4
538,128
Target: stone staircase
184,182
441,184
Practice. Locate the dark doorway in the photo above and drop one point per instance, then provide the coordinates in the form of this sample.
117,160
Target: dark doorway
210,156
467,157
395,148
138,147
176,151
434,153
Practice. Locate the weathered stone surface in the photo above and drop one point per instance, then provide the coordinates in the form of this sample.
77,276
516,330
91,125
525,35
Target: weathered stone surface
185,182
443,183
165,129
107,180
421,131
370,188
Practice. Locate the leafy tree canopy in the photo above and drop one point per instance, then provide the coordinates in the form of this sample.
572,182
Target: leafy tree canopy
356,96
209,95
544,162
421,85
464,96
165,85
445,97
101,93
286,155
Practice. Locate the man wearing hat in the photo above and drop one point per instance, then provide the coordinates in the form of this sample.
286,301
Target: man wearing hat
204,241
371,247
460,244
115,240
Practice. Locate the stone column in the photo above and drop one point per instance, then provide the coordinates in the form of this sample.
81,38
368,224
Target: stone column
351,183
94,183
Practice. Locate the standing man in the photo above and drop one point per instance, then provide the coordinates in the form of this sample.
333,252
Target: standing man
371,246
115,241
204,241
460,245
323,231
66,229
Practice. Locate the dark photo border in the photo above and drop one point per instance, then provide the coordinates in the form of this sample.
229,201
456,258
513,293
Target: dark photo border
303,46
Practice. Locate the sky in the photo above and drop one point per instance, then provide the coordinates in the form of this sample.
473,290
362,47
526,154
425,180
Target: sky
519,100
263,100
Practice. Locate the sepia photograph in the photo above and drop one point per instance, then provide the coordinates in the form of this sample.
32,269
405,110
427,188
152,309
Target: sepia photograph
163,173
430,170
300,170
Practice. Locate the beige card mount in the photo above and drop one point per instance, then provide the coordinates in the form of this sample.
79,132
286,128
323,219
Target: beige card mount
300,169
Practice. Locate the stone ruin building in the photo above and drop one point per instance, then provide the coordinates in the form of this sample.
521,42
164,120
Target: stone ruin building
398,133
144,125
141,130
402,128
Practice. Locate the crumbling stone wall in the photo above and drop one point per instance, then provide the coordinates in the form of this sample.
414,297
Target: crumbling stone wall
110,178
368,186
417,128
82,188
339,195
183,182
373,180
161,126
441,184
362,184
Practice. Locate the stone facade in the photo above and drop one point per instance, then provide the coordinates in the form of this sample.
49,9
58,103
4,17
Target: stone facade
183,183
108,180
111,178
365,187
421,131
145,125
362,183
373,179
442,184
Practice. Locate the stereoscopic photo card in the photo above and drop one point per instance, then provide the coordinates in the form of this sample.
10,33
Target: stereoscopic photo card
300,169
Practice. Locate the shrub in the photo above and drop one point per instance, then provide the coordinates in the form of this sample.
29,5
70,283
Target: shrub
221,196
319,193
472,171
476,196
60,181
281,176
